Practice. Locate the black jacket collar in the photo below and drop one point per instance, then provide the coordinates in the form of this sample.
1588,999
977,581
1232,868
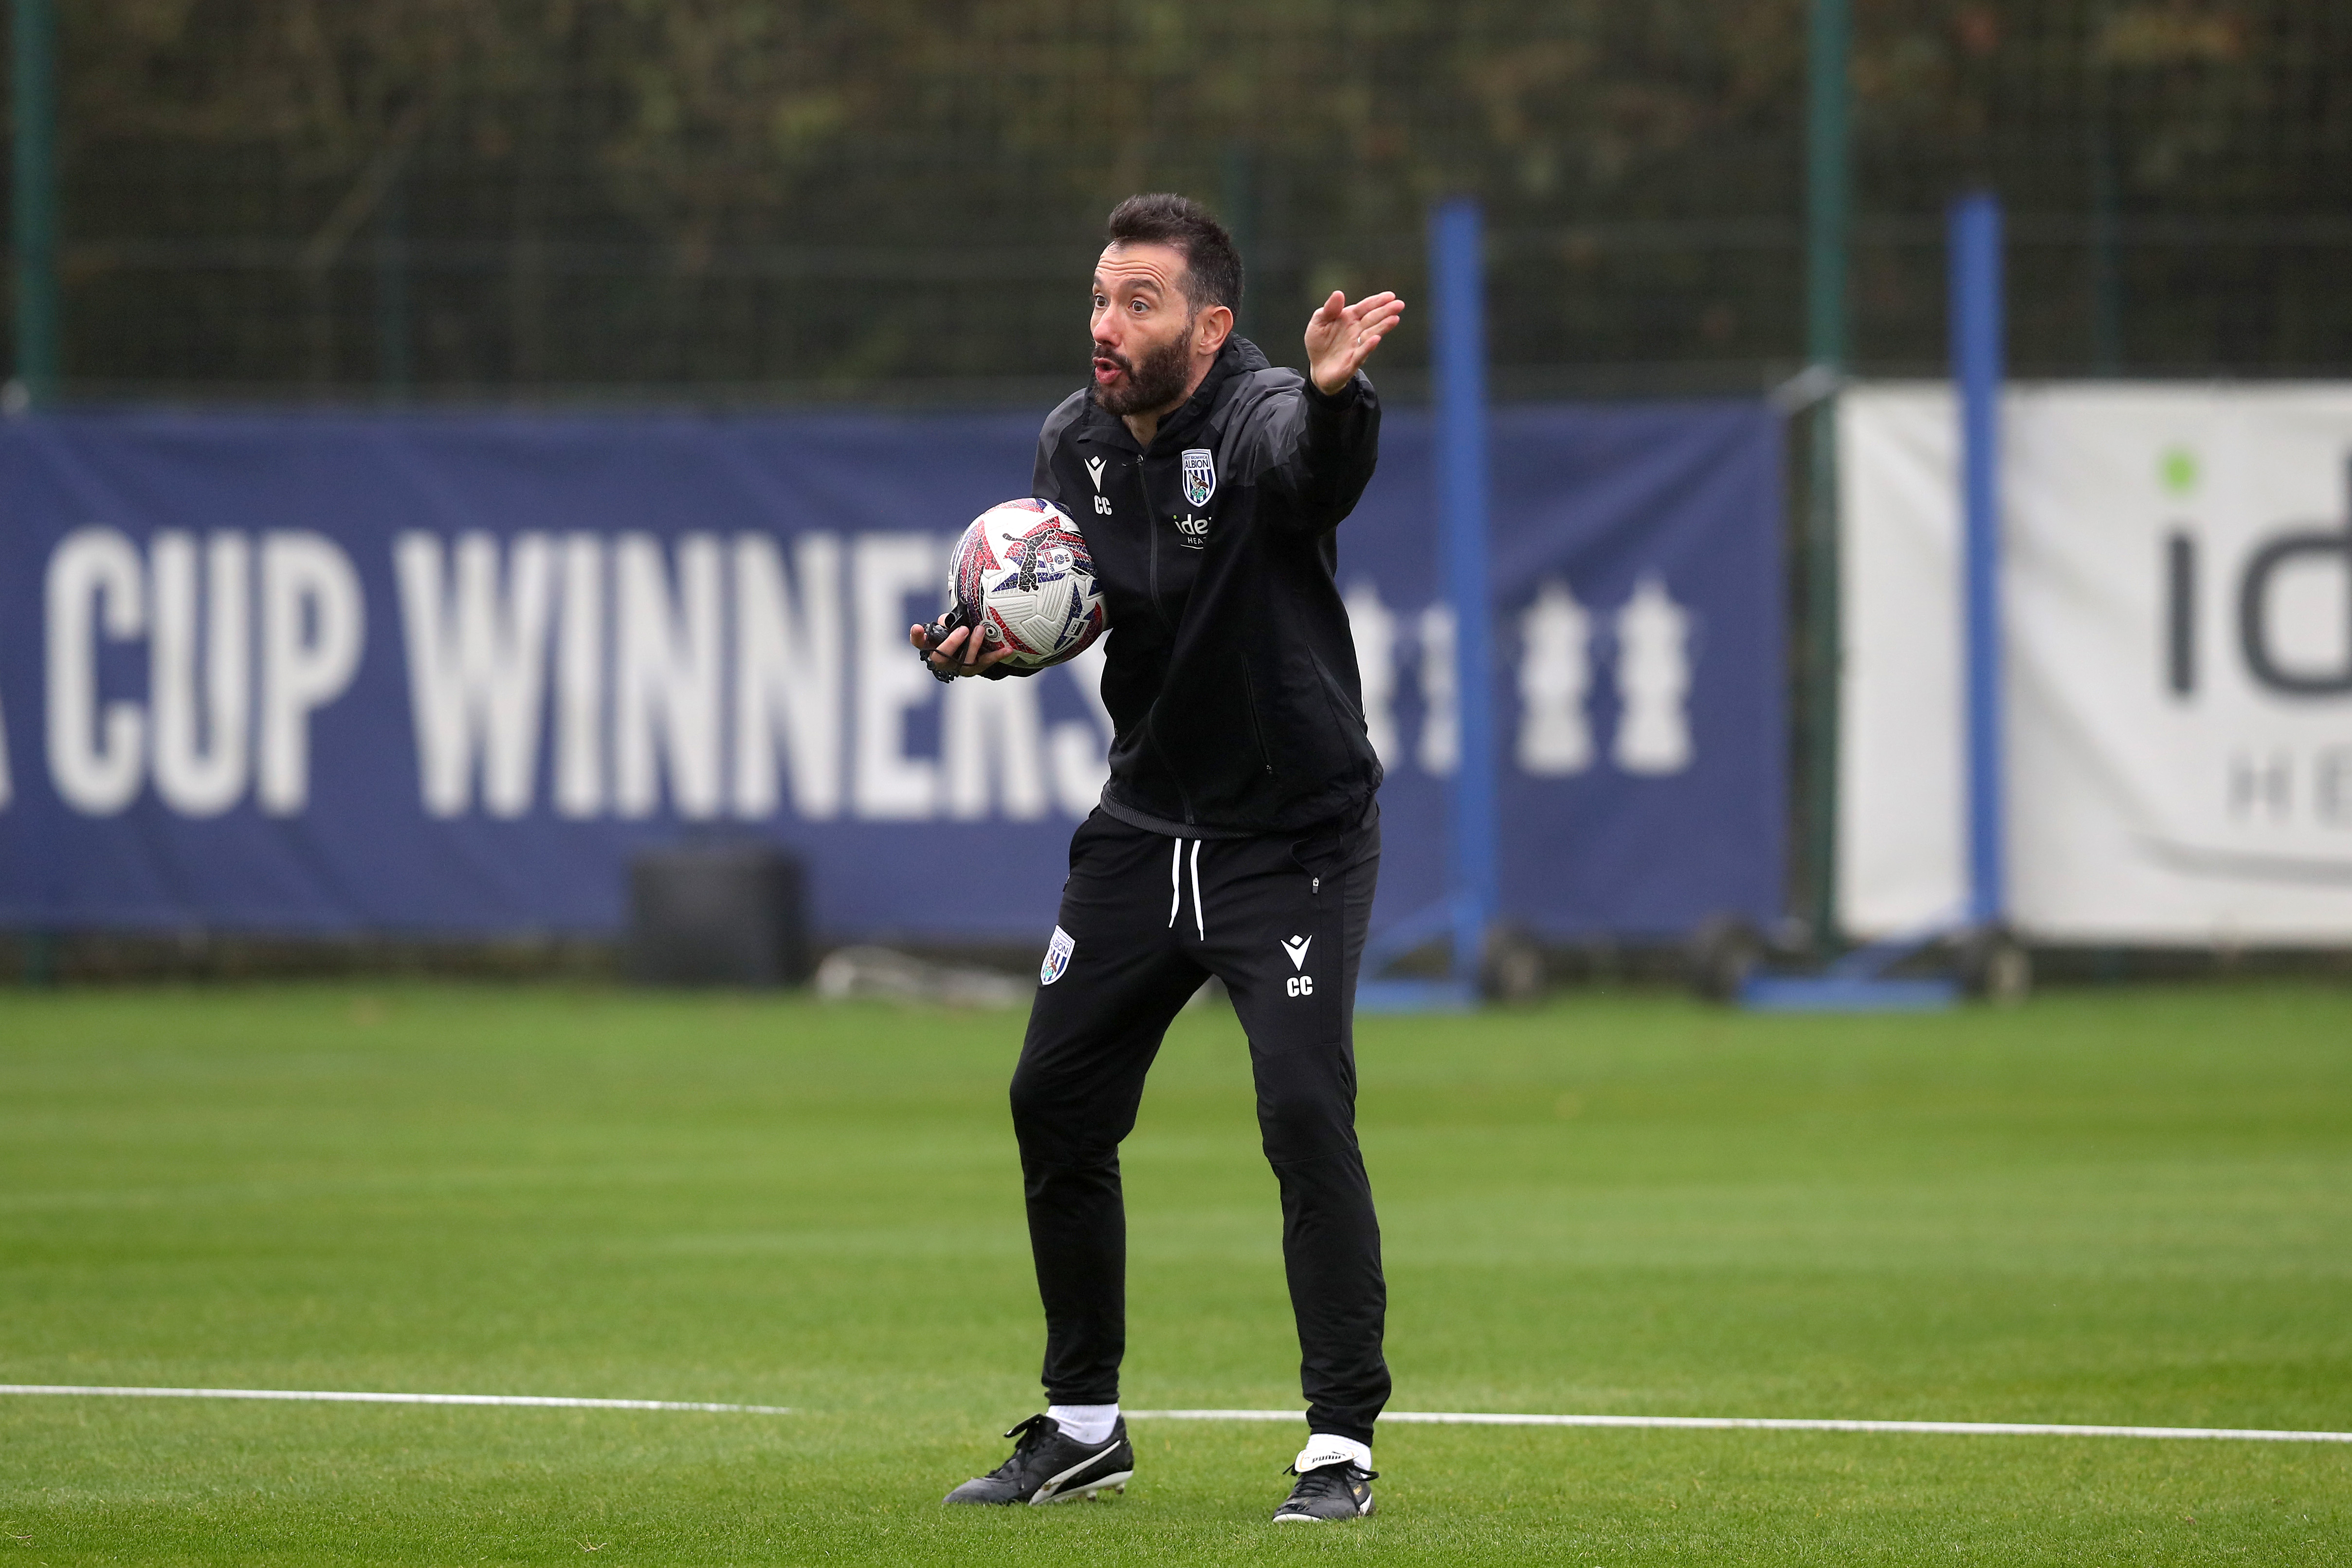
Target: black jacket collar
1238,357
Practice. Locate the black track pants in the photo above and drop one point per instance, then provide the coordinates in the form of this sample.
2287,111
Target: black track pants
1147,917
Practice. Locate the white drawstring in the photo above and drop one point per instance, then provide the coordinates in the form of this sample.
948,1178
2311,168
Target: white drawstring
1199,920
1176,889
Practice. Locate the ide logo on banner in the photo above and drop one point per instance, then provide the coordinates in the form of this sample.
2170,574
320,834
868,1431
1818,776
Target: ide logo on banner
2313,563
2286,600
2176,662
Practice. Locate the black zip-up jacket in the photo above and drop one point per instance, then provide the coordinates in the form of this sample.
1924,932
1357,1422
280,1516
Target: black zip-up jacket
1231,673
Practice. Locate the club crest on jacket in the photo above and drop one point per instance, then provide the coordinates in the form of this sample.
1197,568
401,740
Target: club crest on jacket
1057,957
1200,476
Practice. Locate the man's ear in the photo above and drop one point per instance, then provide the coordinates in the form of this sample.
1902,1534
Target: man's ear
1211,329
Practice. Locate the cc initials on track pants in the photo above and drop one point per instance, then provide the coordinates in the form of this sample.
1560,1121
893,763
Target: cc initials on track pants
1281,921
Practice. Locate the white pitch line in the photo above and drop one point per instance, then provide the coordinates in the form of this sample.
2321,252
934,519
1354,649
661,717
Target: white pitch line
1401,1418
1773,1424
557,1401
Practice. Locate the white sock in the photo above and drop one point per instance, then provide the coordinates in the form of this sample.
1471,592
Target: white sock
1087,1424
1322,1449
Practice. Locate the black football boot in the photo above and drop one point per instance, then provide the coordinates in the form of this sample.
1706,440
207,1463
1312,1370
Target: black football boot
1047,1466
1340,1491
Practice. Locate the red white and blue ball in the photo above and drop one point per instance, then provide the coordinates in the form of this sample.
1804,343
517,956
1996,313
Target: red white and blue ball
1021,571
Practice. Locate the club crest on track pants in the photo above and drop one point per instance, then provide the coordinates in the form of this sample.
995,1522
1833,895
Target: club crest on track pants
1145,919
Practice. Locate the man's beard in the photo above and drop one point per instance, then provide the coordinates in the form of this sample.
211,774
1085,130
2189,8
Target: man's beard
1156,382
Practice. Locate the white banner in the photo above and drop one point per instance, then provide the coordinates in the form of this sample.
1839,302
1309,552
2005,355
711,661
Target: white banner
2177,595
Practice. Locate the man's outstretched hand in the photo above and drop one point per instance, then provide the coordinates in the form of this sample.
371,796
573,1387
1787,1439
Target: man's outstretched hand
1340,336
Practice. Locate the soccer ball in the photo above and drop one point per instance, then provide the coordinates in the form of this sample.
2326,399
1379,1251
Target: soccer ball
1022,573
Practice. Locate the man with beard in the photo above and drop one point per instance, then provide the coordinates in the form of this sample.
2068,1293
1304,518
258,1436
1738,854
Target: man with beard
1238,835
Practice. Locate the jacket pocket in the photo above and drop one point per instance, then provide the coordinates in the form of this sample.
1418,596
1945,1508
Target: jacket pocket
1349,716
1256,722
1329,725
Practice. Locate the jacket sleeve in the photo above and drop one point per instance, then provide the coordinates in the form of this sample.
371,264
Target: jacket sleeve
1317,450
1042,483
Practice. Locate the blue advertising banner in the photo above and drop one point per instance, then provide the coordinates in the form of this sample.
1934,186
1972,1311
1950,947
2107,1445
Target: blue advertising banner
448,673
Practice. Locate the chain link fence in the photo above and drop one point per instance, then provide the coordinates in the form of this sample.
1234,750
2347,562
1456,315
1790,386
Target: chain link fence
728,199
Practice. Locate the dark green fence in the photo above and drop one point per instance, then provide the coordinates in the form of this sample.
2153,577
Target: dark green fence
722,198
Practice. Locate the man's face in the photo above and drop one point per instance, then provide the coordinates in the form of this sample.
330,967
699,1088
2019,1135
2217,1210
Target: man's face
1142,329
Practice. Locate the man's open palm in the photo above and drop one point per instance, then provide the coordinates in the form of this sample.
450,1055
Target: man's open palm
1340,336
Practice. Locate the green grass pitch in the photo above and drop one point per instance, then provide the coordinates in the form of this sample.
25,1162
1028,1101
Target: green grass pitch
2127,1207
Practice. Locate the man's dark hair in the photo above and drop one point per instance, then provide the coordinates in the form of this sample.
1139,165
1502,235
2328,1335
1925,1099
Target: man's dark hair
1212,267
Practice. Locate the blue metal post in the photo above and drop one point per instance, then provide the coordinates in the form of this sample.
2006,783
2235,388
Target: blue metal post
1458,277
1977,368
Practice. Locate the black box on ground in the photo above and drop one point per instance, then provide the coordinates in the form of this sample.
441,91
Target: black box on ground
717,914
